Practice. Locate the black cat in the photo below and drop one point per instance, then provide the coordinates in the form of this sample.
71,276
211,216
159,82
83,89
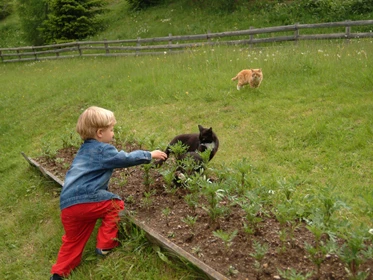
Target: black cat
196,142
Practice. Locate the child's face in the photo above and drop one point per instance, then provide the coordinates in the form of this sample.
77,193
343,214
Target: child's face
107,134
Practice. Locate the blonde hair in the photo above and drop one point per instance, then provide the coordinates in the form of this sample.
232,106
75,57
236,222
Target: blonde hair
93,119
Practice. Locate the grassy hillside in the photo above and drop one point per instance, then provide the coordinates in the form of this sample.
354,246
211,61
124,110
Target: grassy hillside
310,120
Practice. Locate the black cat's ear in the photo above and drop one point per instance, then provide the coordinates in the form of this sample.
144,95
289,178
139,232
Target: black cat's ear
200,127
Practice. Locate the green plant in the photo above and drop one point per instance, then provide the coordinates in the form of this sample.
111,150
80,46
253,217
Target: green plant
213,194
71,20
148,199
70,139
47,150
178,149
260,250
252,210
354,252
245,169
320,249
190,221
148,180
227,237
166,212
232,271
168,178
192,200
292,274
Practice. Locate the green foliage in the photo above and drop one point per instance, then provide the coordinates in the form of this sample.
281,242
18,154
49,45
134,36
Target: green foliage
32,14
355,252
292,274
226,237
222,6
144,4
72,19
360,7
6,8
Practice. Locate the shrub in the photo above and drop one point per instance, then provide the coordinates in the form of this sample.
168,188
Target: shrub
6,8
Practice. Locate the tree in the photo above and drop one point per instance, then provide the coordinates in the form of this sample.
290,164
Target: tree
32,14
72,19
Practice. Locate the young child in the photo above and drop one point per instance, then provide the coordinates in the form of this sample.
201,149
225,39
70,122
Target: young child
85,197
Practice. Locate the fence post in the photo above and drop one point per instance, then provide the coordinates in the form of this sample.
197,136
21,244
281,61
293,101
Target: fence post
208,36
138,44
57,52
251,38
78,46
169,42
348,32
106,46
296,33
33,50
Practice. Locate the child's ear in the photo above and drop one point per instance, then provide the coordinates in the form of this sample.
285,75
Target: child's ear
99,132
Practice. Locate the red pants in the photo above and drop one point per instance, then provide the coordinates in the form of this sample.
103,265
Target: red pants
79,221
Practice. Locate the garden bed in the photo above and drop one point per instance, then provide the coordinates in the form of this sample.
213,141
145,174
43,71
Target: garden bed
224,247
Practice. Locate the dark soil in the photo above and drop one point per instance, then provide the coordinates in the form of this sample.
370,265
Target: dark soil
234,261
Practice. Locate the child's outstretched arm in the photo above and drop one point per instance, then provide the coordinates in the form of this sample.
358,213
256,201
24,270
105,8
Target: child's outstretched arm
157,154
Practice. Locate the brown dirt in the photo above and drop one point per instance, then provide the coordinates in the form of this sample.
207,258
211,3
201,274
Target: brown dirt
234,261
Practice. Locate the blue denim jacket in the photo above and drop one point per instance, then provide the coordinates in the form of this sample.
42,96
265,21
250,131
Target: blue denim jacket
88,177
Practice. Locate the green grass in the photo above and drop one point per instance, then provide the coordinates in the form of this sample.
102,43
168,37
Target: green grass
311,119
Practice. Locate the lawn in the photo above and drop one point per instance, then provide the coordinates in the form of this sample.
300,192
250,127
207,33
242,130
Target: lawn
310,120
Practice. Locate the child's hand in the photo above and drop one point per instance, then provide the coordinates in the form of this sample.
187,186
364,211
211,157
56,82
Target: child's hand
158,154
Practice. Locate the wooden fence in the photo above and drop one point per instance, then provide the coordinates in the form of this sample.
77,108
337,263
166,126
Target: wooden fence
172,44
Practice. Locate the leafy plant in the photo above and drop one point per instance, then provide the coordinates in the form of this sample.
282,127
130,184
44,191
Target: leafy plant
319,251
286,215
244,168
252,210
147,200
227,237
47,150
168,178
260,250
166,212
292,274
354,253
213,194
190,221
148,180
70,139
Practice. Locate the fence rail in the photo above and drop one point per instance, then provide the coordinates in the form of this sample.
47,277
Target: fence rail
171,44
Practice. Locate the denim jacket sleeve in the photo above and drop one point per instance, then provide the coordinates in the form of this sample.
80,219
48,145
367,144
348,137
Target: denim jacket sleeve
111,158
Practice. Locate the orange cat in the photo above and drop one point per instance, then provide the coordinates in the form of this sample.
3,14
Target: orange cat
249,76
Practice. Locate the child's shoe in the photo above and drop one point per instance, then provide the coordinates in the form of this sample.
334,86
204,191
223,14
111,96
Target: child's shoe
56,277
103,252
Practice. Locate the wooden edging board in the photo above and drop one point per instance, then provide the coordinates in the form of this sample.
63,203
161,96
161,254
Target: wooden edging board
151,234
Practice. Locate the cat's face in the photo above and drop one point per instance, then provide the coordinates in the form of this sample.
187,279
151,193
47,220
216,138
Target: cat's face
256,73
205,134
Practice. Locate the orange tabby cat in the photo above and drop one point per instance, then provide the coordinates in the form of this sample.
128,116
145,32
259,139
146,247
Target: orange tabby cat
249,76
